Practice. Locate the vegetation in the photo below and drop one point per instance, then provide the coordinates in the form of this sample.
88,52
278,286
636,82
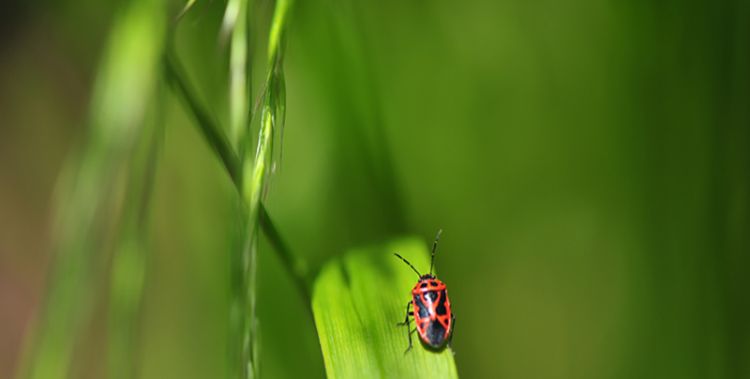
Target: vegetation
245,169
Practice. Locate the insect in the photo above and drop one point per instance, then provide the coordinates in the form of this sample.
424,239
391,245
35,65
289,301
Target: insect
431,308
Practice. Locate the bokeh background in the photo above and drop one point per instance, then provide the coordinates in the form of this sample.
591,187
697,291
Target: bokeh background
589,162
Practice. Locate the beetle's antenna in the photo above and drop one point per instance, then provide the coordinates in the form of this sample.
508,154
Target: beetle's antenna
410,265
434,247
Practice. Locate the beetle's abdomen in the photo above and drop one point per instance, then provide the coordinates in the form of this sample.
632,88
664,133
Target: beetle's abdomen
431,314
435,334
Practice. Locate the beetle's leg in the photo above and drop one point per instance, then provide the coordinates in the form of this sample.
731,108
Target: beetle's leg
453,329
406,320
408,313
408,325
410,344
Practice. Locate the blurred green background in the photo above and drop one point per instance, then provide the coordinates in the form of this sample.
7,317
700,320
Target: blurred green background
589,162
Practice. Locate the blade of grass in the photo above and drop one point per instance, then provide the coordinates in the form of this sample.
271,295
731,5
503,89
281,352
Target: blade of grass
253,185
357,301
256,175
272,112
236,23
220,145
90,188
129,256
189,4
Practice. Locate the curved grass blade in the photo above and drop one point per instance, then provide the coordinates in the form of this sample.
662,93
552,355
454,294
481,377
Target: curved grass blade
357,301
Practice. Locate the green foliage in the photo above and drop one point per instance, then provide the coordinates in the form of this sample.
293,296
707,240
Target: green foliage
235,18
92,188
129,258
357,301
595,174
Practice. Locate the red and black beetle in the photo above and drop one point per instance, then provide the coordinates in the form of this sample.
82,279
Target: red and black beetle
432,308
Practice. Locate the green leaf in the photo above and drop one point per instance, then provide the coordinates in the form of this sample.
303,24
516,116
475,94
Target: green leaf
357,301
91,187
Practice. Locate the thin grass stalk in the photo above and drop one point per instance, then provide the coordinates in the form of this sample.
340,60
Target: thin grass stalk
220,145
129,262
296,268
272,113
236,23
90,187
206,124
253,185
257,172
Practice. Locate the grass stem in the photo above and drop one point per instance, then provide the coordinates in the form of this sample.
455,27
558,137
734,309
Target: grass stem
209,128
236,22
258,170
294,266
252,179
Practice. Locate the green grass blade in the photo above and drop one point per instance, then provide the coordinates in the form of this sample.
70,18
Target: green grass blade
256,178
129,258
188,5
236,19
357,301
90,187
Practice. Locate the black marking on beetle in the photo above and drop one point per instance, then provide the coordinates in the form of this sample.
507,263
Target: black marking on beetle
422,309
430,295
440,309
435,333
423,285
